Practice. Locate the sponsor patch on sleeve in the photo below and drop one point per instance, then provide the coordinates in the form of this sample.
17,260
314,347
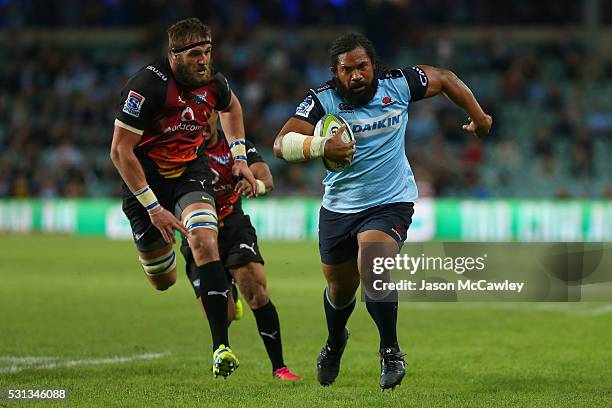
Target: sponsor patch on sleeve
133,104
305,107
422,76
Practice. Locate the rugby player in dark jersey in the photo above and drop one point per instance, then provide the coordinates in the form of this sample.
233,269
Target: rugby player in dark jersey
157,147
238,243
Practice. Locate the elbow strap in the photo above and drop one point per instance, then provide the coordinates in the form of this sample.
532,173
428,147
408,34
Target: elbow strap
297,147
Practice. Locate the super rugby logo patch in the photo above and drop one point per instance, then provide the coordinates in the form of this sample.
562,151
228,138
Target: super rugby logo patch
305,107
133,104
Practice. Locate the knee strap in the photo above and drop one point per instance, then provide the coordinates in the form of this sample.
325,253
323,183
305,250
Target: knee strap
160,265
201,219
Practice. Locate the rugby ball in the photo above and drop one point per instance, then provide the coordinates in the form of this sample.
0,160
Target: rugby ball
327,127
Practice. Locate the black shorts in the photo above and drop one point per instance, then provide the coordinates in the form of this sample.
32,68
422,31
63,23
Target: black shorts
237,247
238,241
197,178
338,231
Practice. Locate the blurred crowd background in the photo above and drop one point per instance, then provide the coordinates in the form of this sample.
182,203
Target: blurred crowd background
542,69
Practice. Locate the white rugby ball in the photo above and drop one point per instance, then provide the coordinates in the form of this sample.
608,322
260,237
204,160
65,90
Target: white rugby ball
327,127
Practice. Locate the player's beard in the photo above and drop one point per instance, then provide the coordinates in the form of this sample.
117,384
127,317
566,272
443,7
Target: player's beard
186,76
357,98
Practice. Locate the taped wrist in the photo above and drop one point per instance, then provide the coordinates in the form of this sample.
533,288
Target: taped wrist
261,187
238,149
147,198
298,147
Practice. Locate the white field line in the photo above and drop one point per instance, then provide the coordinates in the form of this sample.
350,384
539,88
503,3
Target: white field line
580,309
26,363
28,360
599,311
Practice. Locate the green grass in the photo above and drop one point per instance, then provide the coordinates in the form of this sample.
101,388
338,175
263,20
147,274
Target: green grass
86,298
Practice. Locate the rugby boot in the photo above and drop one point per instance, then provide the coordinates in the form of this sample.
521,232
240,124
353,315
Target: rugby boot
328,362
392,367
224,361
285,374
238,307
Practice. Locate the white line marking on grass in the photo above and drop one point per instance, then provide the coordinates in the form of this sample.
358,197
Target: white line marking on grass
29,360
31,363
576,309
599,311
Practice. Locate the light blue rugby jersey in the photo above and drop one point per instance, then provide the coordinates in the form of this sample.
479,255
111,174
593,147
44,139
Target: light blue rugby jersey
380,172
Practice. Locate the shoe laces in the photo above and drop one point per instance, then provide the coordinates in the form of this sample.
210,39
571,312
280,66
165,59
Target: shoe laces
392,360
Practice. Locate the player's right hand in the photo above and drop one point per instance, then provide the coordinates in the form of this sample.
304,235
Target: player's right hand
337,149
480,128
166,223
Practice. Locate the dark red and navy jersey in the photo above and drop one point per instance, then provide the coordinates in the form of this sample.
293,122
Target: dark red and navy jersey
220,161
172,119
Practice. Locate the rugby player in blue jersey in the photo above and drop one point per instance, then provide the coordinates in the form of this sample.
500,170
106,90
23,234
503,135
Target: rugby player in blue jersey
367,208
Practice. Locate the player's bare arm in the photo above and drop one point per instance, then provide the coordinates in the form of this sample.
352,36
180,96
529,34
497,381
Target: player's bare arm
295,143
446,82
262,173
233,126
128,166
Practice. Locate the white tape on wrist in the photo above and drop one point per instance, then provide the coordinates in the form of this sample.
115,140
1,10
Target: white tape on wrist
261,187
147,198
298,147
238,149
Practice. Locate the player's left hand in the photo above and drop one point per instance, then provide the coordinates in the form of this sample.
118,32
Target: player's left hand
244,188
241,168
480,128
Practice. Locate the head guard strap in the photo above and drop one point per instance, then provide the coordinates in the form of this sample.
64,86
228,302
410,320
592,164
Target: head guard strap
176,50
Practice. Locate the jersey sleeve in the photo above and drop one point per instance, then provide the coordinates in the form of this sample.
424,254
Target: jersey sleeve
417,82
310,109
253,155
224,92
141,100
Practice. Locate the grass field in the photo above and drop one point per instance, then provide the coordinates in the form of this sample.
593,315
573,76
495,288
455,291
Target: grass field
78,314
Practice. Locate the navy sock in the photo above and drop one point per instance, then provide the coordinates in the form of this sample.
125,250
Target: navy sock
336,320
214,292
268,326
384,313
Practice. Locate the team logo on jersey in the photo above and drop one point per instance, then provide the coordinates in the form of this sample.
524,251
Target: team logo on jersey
187,115
200,99
387,101
305,107
345,107
133,104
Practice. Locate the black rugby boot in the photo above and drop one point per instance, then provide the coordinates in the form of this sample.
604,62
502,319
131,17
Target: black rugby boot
328,362
392,367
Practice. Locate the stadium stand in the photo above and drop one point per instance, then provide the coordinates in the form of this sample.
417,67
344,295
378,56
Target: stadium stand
551,101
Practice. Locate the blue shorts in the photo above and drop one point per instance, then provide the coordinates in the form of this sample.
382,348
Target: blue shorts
338,231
